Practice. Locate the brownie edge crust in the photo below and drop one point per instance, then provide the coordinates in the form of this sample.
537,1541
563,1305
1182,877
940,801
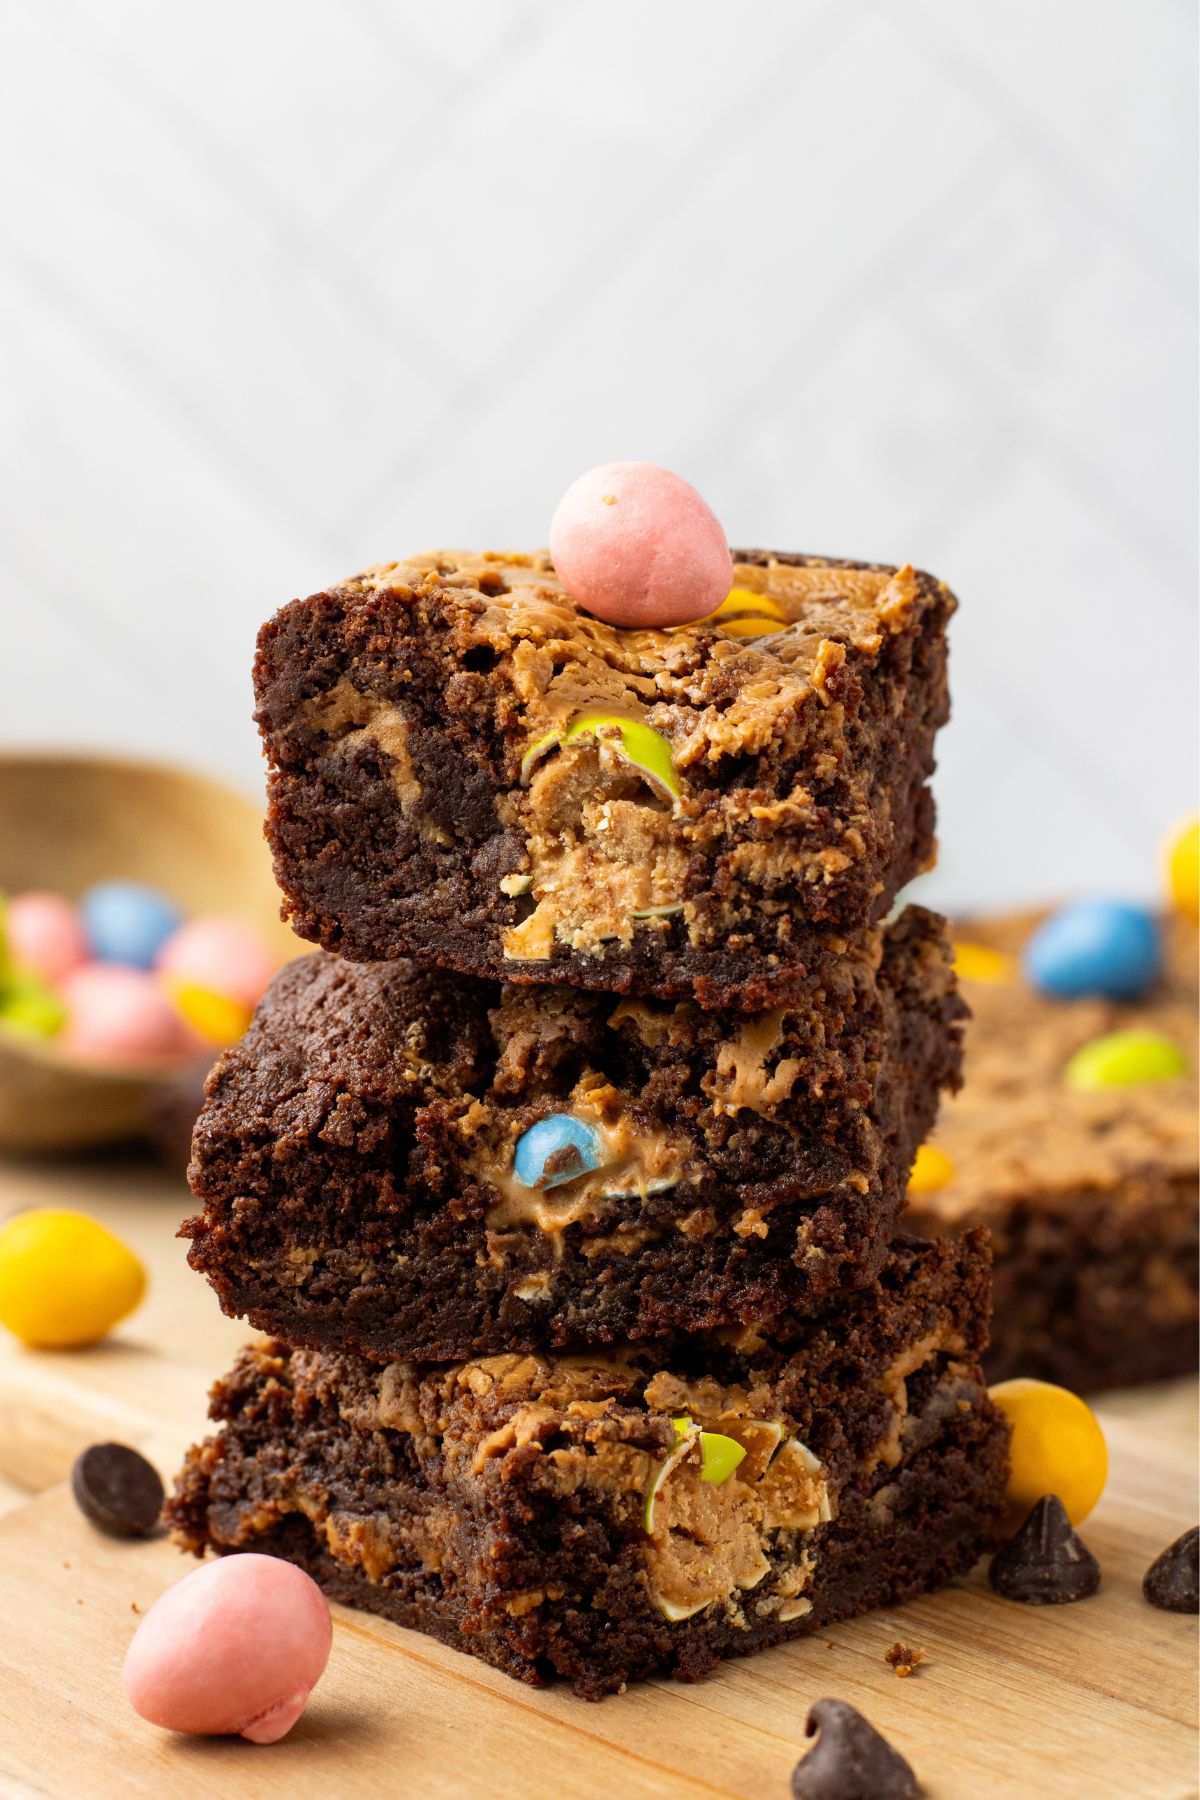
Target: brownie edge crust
547,1513
431,794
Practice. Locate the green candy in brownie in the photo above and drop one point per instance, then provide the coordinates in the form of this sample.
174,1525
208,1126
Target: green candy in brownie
557,1516
466,770
407,1162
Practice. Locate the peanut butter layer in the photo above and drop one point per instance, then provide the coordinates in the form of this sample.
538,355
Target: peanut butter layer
362,1181
1091,1197
432,792
562,1514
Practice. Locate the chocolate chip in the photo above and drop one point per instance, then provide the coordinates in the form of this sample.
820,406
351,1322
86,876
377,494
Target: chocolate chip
850,1761
1173,1579
117,1489
1046,1564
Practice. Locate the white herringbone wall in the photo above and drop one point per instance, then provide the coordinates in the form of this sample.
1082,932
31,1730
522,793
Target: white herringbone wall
286,288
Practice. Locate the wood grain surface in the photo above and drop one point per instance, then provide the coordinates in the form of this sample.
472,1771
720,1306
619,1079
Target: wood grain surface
1092,1699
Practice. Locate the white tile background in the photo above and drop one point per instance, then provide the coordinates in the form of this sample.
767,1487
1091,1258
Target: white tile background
287,288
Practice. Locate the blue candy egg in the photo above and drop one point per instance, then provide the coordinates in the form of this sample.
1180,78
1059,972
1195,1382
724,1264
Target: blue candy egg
561,1131
126,922
1104,948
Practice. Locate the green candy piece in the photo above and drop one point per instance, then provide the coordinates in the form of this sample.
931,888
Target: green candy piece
1123,1058
646,749
28,1005
719,1455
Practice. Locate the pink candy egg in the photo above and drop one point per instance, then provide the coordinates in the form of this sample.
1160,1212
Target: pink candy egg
45,934
636,545
236,1647
116,1014
219,955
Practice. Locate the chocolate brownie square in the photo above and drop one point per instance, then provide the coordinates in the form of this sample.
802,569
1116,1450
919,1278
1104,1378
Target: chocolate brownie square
603,1516
468,771
407,1162
1091,1198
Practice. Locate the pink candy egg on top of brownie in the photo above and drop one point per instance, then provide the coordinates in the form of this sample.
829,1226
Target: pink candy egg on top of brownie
45,935
220,956
119,1014
235,1648
637,546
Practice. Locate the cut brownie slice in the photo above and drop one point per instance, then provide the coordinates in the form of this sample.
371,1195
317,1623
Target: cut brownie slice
1091,1198
582,1517
466,770
406,1162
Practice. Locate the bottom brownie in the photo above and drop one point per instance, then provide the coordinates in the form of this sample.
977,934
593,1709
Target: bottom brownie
575,1515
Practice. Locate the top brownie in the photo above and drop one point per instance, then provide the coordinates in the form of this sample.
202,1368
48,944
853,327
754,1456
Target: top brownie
467,770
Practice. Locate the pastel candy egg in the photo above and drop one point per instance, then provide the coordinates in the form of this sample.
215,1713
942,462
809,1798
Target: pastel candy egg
556,1149
65,1280
1183,868
235,1648
117,1014
127,922
636,545
1104,948
1057,1448
45,935
1122,1059
27,1004
214,1017
931,1170
979,962
219,955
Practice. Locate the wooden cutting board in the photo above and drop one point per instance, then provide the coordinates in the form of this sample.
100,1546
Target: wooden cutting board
1010,1701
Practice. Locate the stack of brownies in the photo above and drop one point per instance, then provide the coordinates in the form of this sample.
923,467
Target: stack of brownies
566,1179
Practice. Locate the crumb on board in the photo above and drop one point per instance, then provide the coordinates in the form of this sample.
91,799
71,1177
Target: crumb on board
134,1607
903,1658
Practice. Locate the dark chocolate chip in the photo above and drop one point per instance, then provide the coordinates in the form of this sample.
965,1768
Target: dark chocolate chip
117,1489
1046,1564
849,1761
1173,1579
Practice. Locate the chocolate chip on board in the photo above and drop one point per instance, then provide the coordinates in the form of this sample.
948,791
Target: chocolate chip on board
849,1761
117,1489
1173,1579
1046,1563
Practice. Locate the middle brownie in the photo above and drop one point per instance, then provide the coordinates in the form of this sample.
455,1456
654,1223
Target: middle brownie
410,1163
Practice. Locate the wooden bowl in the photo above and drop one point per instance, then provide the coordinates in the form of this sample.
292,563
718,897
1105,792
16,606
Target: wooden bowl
69,821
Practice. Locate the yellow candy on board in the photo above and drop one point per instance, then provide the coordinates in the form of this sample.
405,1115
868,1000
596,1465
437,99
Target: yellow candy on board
1183,868
1057,1448
931,1170
65,1280
979,962
217,1018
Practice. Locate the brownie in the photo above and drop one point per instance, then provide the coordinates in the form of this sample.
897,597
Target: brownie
437,792
1091,1198
358,1159
549,1513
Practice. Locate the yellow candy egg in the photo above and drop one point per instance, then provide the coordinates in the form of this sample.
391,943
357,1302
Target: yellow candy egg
743,613
1183,868
1057,1448
217,1018
65,1280
979,962
931,1170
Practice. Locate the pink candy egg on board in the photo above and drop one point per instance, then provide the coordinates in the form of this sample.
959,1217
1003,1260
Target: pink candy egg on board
45,934
219,955
636,545
236,1647
116,1014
